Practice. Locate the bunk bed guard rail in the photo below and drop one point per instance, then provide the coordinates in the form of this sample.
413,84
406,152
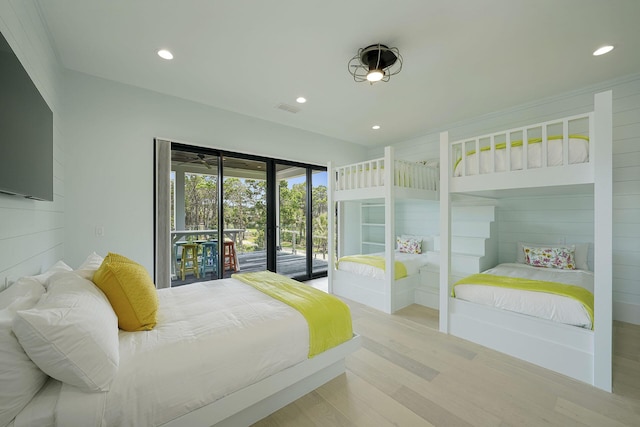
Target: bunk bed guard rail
558,142
371,174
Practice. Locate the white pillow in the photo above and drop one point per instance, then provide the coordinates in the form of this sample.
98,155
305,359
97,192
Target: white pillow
90,265
20,378
581,252
72,334
58,267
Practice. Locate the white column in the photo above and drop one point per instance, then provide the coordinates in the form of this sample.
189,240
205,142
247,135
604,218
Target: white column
445,231
603,240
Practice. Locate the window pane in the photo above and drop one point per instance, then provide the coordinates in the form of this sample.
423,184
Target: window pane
291,257
320,224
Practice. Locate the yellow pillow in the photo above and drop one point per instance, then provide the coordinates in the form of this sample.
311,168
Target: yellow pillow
130,291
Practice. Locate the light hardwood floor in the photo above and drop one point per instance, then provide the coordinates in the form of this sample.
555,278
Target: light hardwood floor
408,374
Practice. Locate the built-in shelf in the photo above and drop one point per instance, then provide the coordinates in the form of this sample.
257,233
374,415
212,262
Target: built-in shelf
371,227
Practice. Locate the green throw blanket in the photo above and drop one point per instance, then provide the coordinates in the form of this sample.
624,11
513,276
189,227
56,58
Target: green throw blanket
378,262
329,319
582,295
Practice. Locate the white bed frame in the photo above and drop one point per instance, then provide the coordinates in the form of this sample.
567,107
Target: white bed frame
250,404
582,354
371,180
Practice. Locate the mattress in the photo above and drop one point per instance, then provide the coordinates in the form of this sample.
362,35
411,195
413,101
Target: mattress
578,153
412,263
538,304
204,346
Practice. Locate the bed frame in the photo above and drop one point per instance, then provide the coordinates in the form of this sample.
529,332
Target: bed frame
252,403
582,354
383,180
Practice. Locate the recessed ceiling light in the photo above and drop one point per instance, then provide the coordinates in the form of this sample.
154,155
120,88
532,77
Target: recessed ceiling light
165,54
375,127
301,100
603,50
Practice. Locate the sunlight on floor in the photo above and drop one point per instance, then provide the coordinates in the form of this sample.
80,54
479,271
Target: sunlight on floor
322,283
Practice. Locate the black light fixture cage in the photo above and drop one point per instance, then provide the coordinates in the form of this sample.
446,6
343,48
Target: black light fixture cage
375,57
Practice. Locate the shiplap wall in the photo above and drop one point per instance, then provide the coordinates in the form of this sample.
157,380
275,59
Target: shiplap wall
526,219
32,232
417,217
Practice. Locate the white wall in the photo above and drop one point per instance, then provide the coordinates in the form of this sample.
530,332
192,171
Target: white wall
109,170
525,219
32,232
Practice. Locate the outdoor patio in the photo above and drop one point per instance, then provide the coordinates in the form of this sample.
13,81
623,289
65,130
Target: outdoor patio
288,264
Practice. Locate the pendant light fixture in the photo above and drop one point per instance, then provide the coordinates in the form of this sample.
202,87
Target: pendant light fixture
375,63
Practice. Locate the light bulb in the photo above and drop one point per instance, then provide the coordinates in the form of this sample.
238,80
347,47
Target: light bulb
375,75
603,50
165,54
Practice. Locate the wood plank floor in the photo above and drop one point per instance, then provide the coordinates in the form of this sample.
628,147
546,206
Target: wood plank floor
408,374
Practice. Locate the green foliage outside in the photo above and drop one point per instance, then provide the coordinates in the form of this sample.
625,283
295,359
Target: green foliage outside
245,208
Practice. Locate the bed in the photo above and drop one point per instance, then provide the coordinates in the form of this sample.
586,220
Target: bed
495,160
362,278
563,296
225,352
567,155
380,183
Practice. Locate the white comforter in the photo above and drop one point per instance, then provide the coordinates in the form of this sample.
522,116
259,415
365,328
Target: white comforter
412,263
578,153
539,304
212,339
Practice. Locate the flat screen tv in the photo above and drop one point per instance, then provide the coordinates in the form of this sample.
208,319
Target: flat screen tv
26,132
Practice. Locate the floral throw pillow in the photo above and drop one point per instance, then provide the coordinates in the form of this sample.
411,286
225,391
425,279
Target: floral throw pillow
561,258
409,246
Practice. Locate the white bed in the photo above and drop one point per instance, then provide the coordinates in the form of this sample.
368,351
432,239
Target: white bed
578,152
542,305
551,167
384,181
222,353
412,263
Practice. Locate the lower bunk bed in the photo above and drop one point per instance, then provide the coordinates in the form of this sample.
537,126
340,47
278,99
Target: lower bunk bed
222,352
541,315
362,278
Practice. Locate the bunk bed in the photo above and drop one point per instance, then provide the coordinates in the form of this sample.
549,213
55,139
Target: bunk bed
564,156
377,183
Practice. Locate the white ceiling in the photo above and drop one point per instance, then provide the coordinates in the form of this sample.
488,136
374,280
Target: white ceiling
462,58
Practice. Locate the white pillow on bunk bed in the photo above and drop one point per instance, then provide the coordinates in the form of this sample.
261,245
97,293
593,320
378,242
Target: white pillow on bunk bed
581,251
432,163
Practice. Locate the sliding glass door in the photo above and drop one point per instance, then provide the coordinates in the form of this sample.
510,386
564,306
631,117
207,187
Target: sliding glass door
291,220
244,206
230,212
319,223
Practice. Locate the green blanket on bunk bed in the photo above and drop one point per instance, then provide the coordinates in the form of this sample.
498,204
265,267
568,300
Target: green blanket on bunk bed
582,295
329,319
378,262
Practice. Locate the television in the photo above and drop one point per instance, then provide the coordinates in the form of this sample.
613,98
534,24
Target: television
26,132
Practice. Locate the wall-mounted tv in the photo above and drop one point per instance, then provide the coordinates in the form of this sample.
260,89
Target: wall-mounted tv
26,132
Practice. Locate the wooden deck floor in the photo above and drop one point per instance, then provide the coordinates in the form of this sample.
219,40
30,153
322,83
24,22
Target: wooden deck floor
287,264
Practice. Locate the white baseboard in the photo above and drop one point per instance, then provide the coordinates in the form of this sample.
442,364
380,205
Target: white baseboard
428,297
626,312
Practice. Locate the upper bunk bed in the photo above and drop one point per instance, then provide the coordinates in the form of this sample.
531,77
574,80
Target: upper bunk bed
570,155
370,179
382,182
